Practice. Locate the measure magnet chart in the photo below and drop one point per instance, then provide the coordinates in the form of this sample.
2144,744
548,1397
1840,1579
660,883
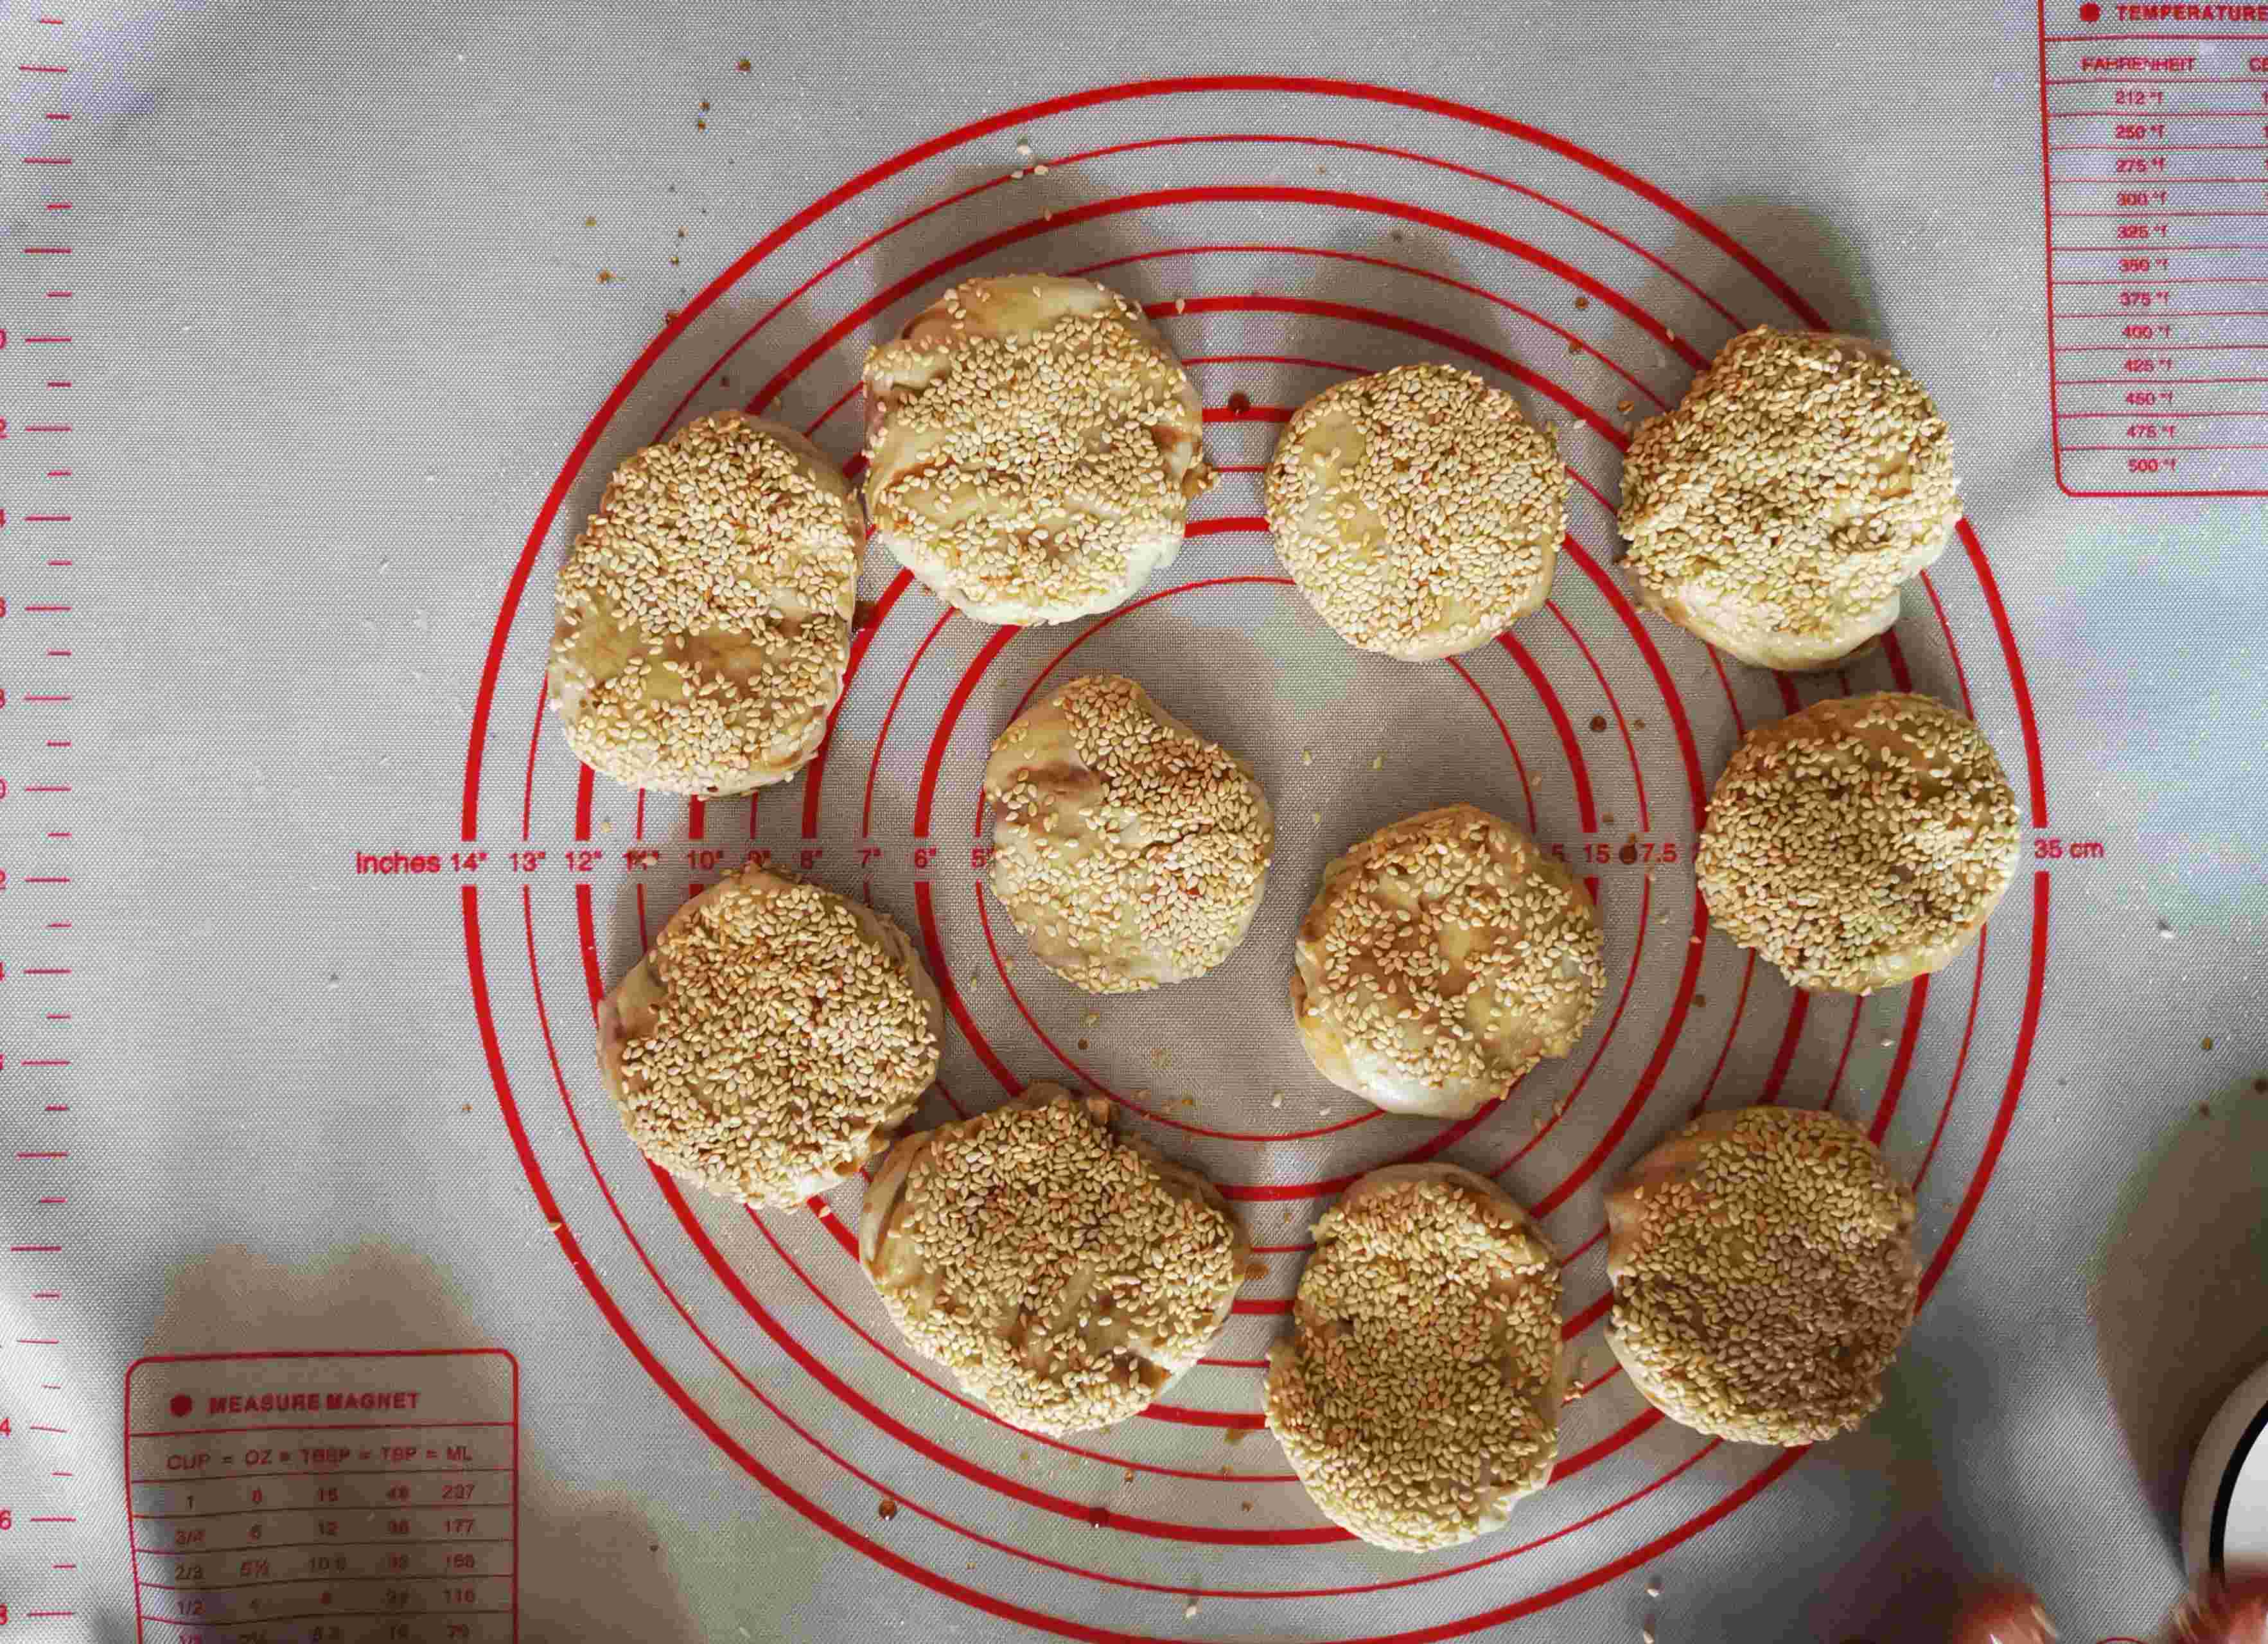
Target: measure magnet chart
1223,838
375,1493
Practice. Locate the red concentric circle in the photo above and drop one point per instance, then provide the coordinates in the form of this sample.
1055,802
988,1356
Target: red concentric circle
1445,231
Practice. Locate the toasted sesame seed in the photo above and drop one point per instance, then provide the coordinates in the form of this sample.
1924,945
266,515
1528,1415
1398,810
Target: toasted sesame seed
1128,850
1860,843
1418,1395
1064,1274
1442,958
1033,446
1418,510
1764,1273
704,610
1776,511
772,1040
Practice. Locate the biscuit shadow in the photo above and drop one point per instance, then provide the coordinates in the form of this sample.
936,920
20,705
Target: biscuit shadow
2179,1291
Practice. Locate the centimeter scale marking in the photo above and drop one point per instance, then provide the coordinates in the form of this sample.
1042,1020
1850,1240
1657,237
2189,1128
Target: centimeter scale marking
42,1511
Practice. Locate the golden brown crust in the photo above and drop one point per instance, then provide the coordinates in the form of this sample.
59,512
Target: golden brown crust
1418,510
704,611
1442,958
1418,1395
1777,510
773,1039
1066,1274
1129,850
1860,843
1764,1273
1032,448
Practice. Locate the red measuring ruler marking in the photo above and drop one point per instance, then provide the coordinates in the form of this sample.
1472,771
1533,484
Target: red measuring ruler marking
332,1498
2153,153
42,1510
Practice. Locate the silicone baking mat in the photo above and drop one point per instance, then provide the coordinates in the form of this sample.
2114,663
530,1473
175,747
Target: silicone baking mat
336,1305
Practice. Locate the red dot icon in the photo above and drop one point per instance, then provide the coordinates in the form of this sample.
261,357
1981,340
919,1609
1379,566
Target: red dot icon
2089,12
182,1405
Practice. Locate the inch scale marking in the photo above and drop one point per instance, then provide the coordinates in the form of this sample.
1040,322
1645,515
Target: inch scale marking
42,1510
2153,150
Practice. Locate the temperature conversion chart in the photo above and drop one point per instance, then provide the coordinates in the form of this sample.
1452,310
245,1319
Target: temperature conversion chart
328,1497
2155,151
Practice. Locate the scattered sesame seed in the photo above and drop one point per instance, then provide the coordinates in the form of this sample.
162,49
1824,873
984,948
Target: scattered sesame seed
2165,930
1653,1588
1190,1610
1778,508
1442,958
1275,1099
1064,1274
1418,510
1378,763
1039,170
1318,818
704,610
1034,446
1860,843
1764,1275
772,1040
1417,1396
1023,146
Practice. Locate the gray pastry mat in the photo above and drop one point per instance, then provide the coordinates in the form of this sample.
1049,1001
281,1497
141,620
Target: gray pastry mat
367,301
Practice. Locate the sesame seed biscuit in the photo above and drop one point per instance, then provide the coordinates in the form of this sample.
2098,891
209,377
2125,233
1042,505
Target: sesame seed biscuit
1418,1395
705,612
1032,448
1442,958
1067,1276
1418,510
1129,850
773,1039
1777,510
1764,1273
1860,843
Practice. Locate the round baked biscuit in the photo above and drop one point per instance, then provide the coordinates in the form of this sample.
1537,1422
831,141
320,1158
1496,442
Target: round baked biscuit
1442,958
773,1039
1779,509
1860,843
1418,1395
1417,509
1128,850
1764,1275
1032,448
1066,1275
705,612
